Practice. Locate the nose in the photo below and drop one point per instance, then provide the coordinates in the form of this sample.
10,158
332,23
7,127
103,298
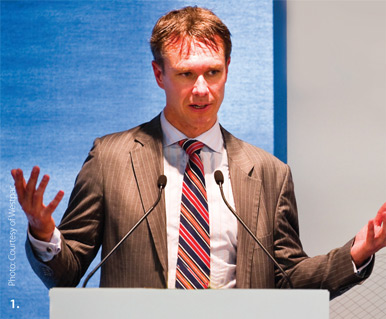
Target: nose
200,87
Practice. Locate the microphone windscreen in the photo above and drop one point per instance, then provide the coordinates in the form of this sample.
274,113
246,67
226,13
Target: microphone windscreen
218,177
162,181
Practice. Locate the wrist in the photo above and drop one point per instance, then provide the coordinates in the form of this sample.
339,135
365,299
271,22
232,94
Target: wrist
40,235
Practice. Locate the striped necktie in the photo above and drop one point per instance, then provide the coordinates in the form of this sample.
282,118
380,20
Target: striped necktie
193,261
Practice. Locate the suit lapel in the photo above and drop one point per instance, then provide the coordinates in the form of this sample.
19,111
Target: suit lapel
246,188
147,161
148,165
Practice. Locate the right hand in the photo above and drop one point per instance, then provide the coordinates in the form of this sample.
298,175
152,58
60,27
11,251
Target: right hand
41,223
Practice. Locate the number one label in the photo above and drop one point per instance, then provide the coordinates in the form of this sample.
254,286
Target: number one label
13,304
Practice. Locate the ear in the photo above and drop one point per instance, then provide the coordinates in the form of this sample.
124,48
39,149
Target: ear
158,74
227,64
227,68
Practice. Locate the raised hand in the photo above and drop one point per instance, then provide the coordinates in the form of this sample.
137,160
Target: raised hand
41,223
370,239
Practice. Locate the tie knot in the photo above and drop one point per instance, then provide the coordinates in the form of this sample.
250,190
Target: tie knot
191,146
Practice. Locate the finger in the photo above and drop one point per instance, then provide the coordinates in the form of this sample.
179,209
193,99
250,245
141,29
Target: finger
38,195
370,232
383,228
54,203
31,184
383,220
20,183
13,173
381,215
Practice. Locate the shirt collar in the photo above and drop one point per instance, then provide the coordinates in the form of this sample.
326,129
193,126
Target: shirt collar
211,138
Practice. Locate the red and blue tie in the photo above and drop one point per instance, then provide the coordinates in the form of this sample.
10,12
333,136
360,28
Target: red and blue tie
193,261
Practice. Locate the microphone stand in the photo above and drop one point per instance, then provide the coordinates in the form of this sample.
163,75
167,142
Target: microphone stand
161,185
220,180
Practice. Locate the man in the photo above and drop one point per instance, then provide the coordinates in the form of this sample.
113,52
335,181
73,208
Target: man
117,184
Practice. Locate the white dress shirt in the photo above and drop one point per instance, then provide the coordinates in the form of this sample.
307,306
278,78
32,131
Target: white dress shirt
222,224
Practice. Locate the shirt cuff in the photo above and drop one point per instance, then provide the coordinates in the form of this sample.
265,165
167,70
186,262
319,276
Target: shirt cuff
46,251
361,270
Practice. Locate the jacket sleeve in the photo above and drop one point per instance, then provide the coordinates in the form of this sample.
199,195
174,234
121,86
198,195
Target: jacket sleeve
81,228
333,271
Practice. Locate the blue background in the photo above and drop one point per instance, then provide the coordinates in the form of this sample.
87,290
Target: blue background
75,70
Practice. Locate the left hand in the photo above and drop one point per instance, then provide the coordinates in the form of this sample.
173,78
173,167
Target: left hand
370,239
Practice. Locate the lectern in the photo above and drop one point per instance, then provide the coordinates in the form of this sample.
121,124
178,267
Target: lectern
114,303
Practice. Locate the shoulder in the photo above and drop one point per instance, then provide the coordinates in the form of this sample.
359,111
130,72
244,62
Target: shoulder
130,139
118,139
256,163
242,150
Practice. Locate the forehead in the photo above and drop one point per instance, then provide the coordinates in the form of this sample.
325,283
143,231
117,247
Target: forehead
185,50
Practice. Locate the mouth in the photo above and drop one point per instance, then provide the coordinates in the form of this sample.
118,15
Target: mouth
199,106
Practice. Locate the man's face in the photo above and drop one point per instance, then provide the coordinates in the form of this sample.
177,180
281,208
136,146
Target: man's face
194,81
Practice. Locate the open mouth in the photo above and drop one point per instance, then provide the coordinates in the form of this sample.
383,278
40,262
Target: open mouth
199,106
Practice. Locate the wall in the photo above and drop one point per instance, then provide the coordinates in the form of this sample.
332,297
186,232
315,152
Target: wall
336,127
75,70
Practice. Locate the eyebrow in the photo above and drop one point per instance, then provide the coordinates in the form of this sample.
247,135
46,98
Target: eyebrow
186,69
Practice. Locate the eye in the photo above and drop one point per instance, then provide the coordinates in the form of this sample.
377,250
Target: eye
185,74
213,72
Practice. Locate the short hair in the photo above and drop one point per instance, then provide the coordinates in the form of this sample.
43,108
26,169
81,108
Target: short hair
189,23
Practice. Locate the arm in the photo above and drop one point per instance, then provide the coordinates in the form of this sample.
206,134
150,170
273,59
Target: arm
333,271
80,228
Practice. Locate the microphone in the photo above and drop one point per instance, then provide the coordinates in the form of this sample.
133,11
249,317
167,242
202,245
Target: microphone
219,178
161,185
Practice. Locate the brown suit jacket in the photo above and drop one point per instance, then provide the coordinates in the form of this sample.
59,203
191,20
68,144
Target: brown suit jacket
118,183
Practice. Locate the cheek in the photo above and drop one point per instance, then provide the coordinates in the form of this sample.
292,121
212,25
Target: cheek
184,93
218,90
178,90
